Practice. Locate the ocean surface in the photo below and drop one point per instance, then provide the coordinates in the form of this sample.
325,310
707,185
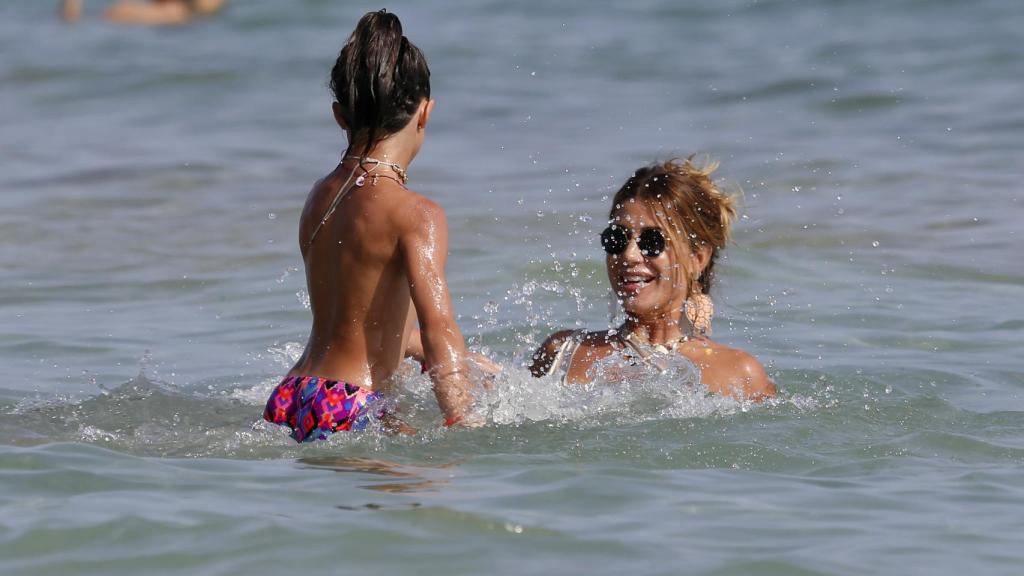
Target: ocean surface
151,292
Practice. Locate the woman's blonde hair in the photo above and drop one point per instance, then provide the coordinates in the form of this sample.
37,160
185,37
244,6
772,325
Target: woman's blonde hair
693,208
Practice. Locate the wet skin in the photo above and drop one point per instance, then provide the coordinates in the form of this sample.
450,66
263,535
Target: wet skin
653,290
374,268
152,13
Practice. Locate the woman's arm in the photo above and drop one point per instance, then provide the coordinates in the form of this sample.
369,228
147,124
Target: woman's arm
414,347
414,350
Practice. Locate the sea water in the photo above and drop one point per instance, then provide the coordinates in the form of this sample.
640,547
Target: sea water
151,292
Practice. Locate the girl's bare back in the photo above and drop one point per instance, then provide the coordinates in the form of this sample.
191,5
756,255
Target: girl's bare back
358,288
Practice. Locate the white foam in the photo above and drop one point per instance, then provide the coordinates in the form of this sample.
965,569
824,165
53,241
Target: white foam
620,392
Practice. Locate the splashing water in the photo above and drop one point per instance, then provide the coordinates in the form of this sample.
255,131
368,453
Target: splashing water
621,392
151,417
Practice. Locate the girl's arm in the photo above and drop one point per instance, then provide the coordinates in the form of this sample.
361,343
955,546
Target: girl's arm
423,239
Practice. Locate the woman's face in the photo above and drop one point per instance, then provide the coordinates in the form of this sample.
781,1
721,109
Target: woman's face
651,285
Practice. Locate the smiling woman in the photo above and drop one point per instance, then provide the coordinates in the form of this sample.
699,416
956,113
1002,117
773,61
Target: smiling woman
667,225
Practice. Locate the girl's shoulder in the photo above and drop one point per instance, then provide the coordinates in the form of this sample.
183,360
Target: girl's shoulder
412,211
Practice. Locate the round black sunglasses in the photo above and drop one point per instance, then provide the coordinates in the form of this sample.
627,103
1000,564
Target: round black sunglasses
615,239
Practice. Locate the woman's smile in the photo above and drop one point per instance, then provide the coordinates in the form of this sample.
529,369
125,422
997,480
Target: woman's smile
633,281
643,282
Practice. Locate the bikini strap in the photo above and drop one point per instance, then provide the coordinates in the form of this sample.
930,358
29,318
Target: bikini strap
566,351
359,182
645,355
330,210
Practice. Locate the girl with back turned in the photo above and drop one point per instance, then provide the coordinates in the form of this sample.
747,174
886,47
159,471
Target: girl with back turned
374,250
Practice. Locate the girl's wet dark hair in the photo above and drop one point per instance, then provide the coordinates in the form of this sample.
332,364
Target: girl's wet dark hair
379,79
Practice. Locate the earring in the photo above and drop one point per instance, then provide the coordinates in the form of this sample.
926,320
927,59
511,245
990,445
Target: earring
699,309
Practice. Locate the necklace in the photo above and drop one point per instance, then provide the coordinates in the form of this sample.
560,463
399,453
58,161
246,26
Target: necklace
359,181
653,354
661,348
634,342
373,181
397,168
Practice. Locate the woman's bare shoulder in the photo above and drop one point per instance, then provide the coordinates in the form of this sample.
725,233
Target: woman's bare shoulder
730,371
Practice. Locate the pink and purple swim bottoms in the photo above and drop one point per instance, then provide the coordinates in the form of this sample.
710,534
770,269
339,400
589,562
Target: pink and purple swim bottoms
314,408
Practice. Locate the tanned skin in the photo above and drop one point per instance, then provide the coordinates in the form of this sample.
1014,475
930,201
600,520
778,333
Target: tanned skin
152,13
653,311
376,266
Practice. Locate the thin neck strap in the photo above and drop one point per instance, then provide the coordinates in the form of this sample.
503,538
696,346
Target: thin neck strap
359,182
334,204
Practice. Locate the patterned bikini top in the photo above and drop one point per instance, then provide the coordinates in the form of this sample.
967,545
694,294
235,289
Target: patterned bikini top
563,357
634,350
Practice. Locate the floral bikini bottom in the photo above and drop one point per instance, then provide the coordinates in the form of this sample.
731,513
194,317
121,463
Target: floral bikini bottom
314,408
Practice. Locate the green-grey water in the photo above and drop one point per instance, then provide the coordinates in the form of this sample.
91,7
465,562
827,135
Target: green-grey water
152,292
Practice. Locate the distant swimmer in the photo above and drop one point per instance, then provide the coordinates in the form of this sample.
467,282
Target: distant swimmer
151,13
667,225
374,253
